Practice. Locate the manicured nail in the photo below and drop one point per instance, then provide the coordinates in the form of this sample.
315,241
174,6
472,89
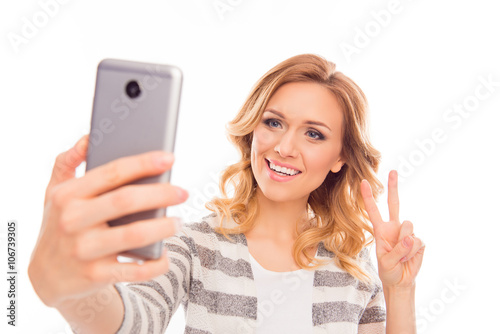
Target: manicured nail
163,160
80,144
182,194
407,241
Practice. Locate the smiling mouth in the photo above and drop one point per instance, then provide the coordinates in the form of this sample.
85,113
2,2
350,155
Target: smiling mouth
283,171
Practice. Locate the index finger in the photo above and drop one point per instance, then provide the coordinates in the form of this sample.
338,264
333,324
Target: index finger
120,172
393,197
370,205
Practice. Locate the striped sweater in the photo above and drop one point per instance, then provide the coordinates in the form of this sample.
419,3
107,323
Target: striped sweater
212,278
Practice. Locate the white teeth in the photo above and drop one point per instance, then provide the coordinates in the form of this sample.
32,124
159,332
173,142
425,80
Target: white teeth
283,170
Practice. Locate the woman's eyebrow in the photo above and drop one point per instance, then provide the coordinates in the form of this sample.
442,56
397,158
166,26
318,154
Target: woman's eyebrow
277,113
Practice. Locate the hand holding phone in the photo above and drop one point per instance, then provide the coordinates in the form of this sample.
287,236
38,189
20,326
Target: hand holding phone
133,126
76,252
135,111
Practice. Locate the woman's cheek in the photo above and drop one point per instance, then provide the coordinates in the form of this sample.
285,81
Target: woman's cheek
263,139
318,161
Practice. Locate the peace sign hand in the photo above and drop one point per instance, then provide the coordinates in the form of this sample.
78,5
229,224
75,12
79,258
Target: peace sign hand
399,252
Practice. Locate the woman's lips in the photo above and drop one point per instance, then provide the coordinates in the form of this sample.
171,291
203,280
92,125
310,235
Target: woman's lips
282,164
278,177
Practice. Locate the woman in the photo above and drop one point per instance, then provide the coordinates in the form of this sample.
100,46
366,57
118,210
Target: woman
300,212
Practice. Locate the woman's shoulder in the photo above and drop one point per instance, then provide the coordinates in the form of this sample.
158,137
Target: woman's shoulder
205,225
206,231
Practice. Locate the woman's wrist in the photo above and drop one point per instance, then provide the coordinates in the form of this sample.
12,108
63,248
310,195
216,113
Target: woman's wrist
400,296
399,290
400,304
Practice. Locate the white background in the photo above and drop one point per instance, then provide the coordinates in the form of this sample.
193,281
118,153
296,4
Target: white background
414,66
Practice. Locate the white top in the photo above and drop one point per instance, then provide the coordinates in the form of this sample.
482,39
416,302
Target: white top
212,278
284,300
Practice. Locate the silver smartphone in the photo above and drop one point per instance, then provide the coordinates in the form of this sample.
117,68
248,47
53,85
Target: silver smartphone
135,111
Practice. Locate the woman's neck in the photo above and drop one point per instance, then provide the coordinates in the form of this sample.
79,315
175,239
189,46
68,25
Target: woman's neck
278,220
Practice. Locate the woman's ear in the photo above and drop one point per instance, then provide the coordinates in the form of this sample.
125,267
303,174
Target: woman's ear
337,166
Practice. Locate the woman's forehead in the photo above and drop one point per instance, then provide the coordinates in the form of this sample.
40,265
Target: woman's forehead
303,101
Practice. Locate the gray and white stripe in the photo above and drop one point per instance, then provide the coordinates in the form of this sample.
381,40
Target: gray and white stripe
212,278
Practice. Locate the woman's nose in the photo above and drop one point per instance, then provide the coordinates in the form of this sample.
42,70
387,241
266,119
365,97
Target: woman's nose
286,147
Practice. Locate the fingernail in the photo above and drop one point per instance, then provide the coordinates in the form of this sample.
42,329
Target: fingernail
181,193
407,241
80,144
163,160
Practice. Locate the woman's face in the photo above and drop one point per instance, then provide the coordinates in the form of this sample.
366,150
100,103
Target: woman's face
297,141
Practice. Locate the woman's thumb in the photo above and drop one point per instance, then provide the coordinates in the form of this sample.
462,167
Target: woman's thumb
402,249
66,162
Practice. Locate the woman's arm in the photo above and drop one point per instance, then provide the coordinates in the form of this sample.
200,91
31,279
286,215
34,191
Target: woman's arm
101,312
154,302
73,265
139,307
400,304
399,257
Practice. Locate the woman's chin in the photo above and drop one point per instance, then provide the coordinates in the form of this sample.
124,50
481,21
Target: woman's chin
274,194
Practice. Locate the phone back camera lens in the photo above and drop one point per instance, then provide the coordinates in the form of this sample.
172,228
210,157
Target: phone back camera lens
133,89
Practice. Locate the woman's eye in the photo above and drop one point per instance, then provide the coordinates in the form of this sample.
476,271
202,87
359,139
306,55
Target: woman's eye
315,135
273,123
